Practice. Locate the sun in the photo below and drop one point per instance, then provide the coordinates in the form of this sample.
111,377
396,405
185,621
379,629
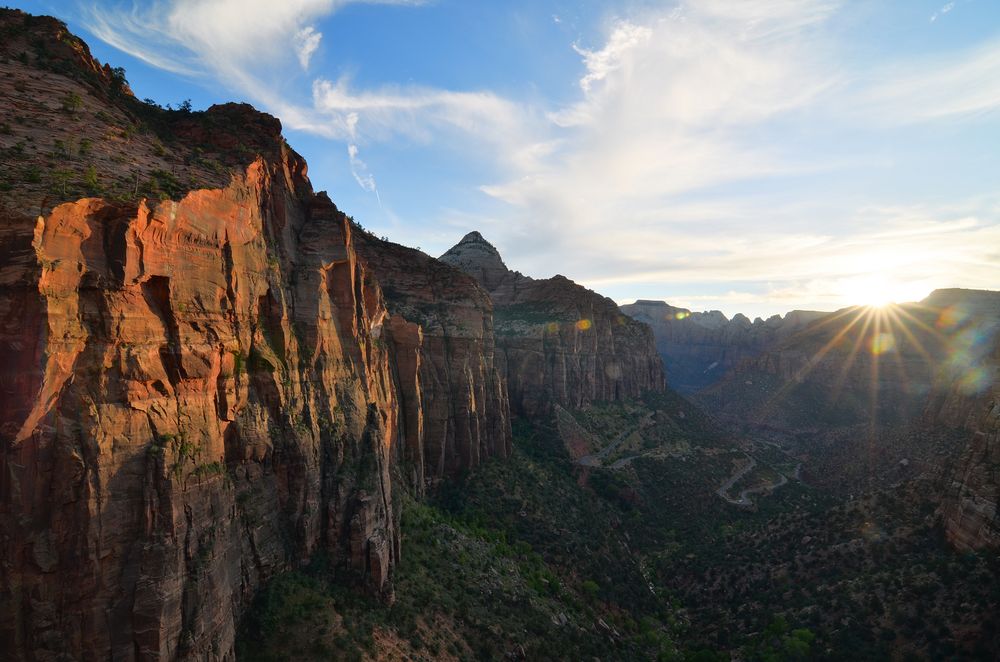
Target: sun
880,290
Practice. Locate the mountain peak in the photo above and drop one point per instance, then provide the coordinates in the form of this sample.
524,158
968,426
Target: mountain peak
474,237
479,258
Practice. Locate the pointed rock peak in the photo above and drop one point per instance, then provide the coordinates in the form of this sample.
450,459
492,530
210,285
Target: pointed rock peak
478,258
474,236
479,241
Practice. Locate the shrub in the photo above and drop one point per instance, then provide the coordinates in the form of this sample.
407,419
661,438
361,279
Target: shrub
72,102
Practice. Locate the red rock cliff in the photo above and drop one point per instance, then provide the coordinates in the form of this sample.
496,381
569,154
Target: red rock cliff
453,394
558,342
195,398
201,383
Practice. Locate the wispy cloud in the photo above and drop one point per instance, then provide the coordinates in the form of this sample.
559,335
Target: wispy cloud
947,85
600,63
941,12
664,107
631,182
414,112
306,42
359,169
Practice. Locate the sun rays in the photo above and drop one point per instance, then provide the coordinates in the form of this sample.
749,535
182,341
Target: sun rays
878,290
892,354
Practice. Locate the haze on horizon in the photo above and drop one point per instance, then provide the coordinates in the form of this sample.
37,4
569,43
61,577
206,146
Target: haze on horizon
752,157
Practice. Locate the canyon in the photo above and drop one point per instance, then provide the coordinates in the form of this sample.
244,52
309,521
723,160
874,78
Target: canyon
213,376
700,348
237,425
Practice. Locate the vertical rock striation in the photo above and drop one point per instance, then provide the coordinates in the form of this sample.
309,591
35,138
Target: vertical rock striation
202,384
559,343
196,397
971,508
454,396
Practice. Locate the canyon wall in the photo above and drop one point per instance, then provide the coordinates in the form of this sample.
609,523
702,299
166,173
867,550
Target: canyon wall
452,389
915,362
195,399
698,349
202,382
971,516
558,342
972,484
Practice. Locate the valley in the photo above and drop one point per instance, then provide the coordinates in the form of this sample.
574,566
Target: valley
237,425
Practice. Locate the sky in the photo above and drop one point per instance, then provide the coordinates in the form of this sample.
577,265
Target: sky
751,156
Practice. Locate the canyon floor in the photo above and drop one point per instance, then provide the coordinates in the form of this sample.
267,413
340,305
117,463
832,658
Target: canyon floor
646,530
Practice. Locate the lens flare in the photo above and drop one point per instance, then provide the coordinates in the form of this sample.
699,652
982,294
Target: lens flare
882,343
951,317
583,325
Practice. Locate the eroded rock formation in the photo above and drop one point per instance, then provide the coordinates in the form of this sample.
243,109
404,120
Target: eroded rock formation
205,388
195,398
442,327
699,348
558,342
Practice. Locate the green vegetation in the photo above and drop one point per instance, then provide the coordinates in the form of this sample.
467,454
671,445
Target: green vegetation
536,555
72,102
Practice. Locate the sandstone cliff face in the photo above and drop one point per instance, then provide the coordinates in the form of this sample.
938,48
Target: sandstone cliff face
559,343
453,393
972,487
698,349
196,400
971,515
206,388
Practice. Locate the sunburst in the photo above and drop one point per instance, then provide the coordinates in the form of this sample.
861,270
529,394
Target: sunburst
911,345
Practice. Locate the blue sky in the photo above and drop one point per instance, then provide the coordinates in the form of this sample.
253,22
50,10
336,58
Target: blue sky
752,156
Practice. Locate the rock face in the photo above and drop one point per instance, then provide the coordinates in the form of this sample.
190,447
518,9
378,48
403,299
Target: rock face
559,343
453,392
205,389
901,364
971,515
972,488
195,400
699,348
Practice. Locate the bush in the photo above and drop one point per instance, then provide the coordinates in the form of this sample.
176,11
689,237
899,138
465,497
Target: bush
72,102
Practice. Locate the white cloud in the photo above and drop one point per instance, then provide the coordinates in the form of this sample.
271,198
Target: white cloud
306,42
600,63
664,104
941,12
626,184
359,169
676,105
943,86
241,43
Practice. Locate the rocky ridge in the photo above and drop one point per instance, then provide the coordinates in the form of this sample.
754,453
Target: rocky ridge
559,343
699,348
907,390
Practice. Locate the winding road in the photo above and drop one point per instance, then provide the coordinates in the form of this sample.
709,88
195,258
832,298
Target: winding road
597,459
723,490
744,499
